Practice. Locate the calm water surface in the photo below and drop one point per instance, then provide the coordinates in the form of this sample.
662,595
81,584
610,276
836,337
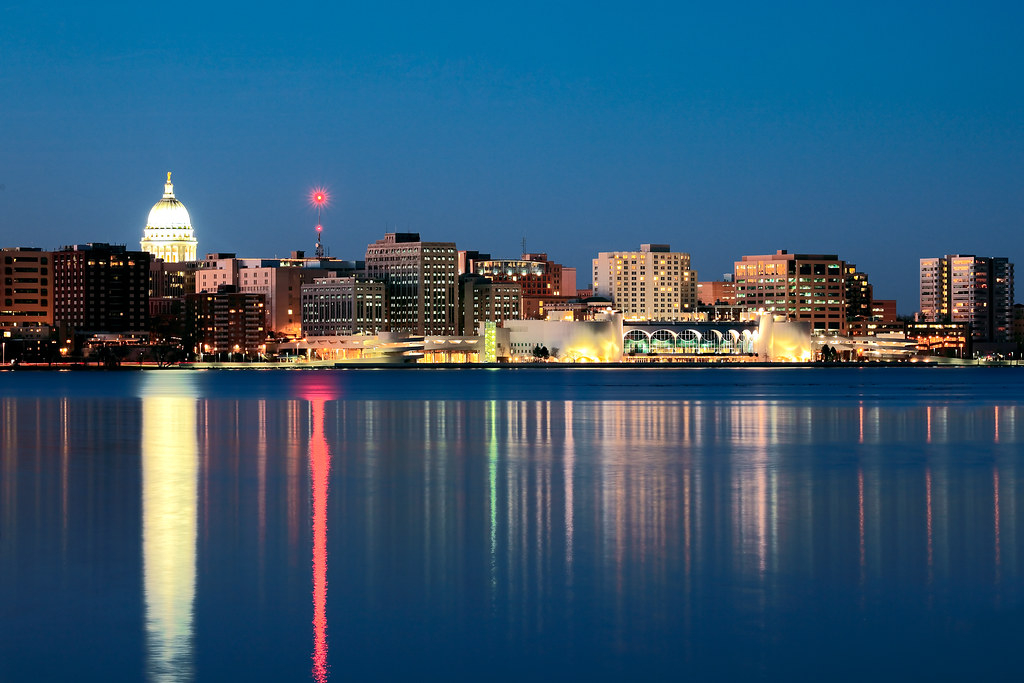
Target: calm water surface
509,524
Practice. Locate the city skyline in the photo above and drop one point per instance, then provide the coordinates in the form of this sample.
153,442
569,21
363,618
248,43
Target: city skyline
172,231
880,135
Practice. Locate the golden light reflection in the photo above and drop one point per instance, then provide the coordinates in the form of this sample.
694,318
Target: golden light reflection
569,462
169,512
860,422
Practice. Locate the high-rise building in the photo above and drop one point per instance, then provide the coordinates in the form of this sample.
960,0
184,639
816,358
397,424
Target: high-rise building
27,287
101,288
541,281
974,290
654,283
168,234
422,282
934,277
802,287
333,306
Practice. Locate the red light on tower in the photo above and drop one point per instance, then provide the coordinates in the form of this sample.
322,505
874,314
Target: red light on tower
319,197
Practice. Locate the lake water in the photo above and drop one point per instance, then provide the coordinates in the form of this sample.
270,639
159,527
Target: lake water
606,524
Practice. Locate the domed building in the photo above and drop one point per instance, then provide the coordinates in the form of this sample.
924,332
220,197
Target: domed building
169,235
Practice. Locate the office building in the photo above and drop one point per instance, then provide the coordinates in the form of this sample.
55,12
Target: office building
337,306
422,282
802,287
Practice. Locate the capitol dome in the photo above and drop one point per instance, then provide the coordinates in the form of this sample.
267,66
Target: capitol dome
168,234
169,212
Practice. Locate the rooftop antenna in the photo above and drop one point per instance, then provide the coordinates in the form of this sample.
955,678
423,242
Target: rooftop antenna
319,198
524,244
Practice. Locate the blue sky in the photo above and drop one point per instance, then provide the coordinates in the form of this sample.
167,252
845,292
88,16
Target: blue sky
881,133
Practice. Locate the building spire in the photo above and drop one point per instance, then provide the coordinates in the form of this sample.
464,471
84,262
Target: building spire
168,187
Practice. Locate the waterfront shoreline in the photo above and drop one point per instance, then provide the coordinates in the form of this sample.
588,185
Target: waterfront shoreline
654,365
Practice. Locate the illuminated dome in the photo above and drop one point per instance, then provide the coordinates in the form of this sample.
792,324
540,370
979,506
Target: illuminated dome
168,234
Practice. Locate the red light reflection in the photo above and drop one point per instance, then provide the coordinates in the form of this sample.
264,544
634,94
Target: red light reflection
320,469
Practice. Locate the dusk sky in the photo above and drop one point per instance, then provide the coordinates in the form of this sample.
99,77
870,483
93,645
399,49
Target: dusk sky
884,132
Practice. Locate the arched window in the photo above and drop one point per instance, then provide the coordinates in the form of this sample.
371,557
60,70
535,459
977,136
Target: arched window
688,341
709,343
636,341
663,341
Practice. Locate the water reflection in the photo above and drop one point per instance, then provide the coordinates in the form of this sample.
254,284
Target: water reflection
170,466
770,498
708,538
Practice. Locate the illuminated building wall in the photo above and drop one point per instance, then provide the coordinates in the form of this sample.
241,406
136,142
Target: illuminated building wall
802,287
216,270
28,287
716,292
651,284
781,341
593,341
